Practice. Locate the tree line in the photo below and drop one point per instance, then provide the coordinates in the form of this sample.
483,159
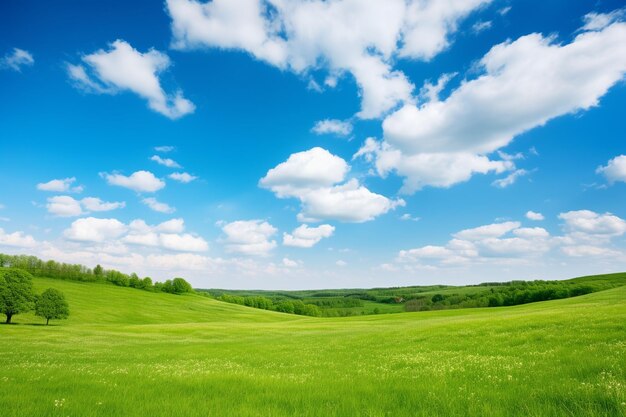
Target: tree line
76,272
18,296
504,294
285,306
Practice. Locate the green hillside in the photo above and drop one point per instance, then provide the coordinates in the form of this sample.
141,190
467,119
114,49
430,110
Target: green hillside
359,301
125,352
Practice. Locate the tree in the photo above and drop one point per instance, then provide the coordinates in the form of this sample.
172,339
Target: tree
16,292
51,304
97,271
180,286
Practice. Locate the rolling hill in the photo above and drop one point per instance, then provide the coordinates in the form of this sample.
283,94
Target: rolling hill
125,352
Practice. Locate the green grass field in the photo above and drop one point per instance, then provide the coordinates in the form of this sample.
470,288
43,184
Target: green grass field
125,352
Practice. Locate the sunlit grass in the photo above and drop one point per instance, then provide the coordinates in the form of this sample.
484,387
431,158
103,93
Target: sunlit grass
125,352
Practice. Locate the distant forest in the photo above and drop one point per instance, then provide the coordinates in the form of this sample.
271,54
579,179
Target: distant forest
337,302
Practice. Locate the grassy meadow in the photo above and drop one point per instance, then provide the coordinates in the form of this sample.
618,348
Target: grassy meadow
125,352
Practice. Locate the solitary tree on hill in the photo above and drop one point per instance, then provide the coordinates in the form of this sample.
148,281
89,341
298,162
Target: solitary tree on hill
16,292
51,304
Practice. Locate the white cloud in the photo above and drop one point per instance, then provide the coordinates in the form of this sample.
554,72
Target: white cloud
428,169
504,11
487,231
307,237
502,243
360,37
158,206
115,234
348,202
598,21
532,215
249,237
64,206
316,177
60,185
96,204
17,239
338,127
17,59
590,223
481,26
615,169
589,251
525,83
183,242
140,181
182,177
309,169
341,263
290,263
170,163
408,216
91,229
123,68
531,232
171,226
510,179
164,149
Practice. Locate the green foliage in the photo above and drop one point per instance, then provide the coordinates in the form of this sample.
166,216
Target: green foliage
16,292
264,303
177,286
351,302
51,304
74,272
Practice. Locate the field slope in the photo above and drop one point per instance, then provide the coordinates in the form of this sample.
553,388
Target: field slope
125,352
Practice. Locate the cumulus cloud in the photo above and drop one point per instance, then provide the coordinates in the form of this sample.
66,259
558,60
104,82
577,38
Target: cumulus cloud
16,60
96,204
249,237
170,163
615,169
115,234
586,234
158,206
492,243
316,178
590,234
123,68
64,206
140,181
60,185
183,177
307,237
16,239
439,169
334,126
359,37
532,215
524,84
91,229
589,223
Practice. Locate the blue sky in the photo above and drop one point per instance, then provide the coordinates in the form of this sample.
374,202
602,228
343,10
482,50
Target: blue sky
327,144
